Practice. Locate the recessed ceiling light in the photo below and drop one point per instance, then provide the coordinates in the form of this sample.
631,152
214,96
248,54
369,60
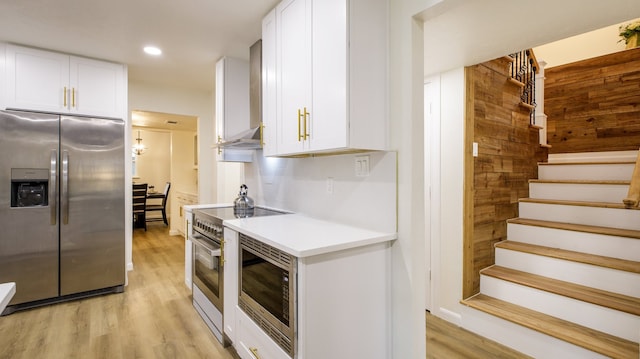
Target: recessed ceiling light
152,50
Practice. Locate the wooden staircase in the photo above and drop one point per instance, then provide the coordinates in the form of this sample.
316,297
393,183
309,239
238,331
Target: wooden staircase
570,269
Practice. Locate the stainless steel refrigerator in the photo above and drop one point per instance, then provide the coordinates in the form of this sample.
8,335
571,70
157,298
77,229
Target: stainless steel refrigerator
61,206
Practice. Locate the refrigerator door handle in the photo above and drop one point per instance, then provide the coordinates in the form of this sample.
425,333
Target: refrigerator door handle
53,187
64,196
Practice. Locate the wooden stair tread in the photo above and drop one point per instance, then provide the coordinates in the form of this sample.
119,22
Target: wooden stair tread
619,232
507,58
516,82
586,163
587,338
586,258
527,106
614,182
577,203
583,293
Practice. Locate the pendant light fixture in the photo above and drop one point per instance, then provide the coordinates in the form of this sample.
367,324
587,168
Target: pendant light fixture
138,148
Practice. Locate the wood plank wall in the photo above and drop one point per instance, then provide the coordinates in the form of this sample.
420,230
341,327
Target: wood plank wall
594,104
508,154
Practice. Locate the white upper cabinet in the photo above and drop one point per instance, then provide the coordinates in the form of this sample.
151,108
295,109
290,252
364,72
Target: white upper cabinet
331,76
269,89
53,82
293,77
37,80
98,87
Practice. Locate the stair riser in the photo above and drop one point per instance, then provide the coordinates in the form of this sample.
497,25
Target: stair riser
594,172
595,216
524,340
620,324
585,274
592,243
579,192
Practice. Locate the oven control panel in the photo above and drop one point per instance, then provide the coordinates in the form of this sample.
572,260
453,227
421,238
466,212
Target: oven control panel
208,227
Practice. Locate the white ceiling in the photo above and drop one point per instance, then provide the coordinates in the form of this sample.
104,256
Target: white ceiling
164,121
193,34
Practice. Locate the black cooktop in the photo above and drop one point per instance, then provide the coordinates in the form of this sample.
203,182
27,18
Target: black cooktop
224,213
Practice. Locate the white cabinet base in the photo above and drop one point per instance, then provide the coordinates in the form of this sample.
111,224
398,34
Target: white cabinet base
188,249
230,295
344,309
344,304
253,343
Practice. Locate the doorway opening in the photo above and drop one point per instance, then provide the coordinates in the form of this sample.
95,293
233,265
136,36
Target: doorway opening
164,150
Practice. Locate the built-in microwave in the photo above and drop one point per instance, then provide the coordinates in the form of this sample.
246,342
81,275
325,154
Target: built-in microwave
267,283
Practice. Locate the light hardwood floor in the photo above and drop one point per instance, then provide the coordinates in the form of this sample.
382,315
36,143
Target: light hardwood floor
446,340
153,318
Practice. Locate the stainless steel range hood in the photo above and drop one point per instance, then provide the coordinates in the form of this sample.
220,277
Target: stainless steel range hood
249,139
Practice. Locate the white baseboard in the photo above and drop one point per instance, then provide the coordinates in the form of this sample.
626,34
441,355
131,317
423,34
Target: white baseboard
448,315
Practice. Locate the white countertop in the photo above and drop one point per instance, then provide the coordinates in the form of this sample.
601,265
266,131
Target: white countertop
304,236
7,291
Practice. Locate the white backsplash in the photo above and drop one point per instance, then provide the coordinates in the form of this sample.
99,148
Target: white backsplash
300,185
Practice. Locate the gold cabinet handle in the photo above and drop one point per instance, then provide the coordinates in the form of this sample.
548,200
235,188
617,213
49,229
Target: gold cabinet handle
73,97
254,351
222,253
261,134
299,133
306,118
219,142
64,103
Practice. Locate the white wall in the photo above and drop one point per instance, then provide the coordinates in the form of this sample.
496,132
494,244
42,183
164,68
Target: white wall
300,185
584,46
184,176
452,92
184,102
434,37
230,177
183,170
153,166
406,124
3,80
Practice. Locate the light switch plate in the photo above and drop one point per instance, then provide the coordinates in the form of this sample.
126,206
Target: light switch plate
329,185
362,166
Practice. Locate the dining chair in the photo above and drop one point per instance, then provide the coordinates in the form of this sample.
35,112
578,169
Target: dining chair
160,207
139,204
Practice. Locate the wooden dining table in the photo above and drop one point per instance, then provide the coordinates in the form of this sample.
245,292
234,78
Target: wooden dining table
155,195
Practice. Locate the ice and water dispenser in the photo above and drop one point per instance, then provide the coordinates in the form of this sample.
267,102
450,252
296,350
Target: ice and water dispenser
29,187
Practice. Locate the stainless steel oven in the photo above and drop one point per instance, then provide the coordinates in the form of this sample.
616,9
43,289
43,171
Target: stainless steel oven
208,270
207,235
267,282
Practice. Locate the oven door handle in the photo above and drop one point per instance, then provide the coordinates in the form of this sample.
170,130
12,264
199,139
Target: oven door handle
197,240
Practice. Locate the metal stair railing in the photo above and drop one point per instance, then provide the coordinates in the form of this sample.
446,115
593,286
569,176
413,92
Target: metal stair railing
523,69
